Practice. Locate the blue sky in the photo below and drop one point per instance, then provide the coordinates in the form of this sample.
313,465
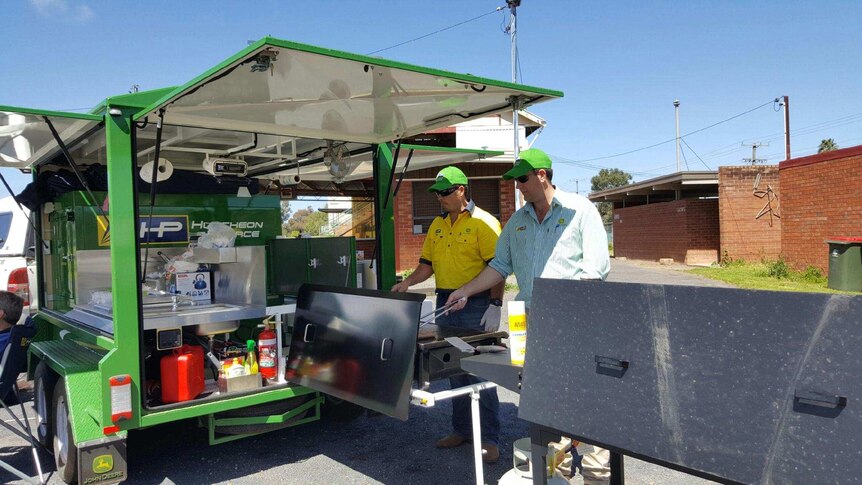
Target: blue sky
621,64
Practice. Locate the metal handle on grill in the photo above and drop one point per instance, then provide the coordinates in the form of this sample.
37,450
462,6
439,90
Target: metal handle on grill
386,349
310,333
610,366
814,398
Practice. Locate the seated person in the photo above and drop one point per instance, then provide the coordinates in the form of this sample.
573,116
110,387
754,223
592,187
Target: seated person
11,306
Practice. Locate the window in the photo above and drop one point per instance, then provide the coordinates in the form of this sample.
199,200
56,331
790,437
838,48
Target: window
5,224
485,193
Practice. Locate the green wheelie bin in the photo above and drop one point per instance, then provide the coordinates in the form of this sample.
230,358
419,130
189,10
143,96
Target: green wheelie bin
845,263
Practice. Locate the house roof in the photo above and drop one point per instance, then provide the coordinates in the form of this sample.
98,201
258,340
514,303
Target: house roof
665,187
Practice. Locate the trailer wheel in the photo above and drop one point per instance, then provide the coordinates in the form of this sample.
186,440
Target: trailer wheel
65,451
336,409
267,409
44,379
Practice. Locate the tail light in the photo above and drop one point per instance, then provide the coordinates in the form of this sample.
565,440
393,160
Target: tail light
19,283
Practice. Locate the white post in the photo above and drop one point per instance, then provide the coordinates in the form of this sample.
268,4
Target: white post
477,437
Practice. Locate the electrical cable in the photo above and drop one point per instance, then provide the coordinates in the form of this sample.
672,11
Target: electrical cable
695,154
674,139
436,31
684,159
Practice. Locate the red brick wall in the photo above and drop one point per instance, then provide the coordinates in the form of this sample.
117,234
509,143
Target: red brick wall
743,236
685,230
408,246
822,198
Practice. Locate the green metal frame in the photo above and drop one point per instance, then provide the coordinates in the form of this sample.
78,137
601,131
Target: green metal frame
374,61
383,206
212,423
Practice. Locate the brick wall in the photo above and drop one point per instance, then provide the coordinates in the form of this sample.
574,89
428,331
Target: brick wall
408,246
821,199
685,230
743,235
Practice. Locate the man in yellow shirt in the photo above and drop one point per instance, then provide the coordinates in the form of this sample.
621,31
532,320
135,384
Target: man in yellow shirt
459,245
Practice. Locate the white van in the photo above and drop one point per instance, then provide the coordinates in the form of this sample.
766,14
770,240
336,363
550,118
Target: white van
16,250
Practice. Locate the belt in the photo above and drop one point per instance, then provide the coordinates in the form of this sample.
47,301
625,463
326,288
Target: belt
481,294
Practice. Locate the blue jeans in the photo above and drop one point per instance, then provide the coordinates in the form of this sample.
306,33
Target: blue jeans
489,404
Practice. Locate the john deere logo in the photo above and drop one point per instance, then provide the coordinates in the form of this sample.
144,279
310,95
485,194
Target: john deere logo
561,221
103,464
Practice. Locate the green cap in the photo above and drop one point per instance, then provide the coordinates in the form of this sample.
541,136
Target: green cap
448,177
528,160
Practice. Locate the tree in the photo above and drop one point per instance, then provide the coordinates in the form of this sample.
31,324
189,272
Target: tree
306,221
827,145
609,178
315,222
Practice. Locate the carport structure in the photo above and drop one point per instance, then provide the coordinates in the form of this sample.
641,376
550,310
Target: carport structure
672,216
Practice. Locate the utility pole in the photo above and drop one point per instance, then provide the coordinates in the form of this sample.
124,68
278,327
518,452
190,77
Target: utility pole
516,102
754,146
785,103
676,115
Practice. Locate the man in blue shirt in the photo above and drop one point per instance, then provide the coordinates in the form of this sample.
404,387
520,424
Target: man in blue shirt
11,306
555,235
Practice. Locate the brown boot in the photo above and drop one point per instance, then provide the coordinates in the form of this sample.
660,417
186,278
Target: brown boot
490,453
451,441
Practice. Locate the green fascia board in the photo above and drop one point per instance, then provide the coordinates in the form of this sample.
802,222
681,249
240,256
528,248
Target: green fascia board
431,148
284,44
44,112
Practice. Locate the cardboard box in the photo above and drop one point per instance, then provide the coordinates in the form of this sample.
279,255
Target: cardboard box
239,383
196,285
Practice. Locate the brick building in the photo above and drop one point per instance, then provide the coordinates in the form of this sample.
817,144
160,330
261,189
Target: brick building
698,217
749,212
674,216
820,199
753,213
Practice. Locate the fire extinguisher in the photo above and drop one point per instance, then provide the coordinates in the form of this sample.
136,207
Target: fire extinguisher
267,351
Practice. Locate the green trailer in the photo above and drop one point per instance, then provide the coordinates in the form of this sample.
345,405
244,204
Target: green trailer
141,179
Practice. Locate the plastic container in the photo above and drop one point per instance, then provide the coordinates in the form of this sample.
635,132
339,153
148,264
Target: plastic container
182,374
517,332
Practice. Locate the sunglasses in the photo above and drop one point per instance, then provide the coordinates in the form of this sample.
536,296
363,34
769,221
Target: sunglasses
523,178
446,192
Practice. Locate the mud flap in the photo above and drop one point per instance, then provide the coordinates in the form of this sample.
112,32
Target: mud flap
102,461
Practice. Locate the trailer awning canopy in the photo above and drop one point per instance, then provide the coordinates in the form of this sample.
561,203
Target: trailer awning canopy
283,88
25,136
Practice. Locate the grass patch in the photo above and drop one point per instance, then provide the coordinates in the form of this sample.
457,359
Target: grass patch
511,287
769,275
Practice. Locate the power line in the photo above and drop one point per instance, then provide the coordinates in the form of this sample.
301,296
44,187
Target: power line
437,31
695,154
674,138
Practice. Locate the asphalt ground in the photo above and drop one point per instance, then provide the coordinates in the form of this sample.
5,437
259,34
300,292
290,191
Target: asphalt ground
368,450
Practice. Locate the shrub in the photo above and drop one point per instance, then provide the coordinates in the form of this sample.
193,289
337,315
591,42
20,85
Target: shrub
777,269
812,275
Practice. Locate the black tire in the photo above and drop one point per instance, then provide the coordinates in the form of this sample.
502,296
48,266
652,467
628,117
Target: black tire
265,409
336,409
44,380
65,451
